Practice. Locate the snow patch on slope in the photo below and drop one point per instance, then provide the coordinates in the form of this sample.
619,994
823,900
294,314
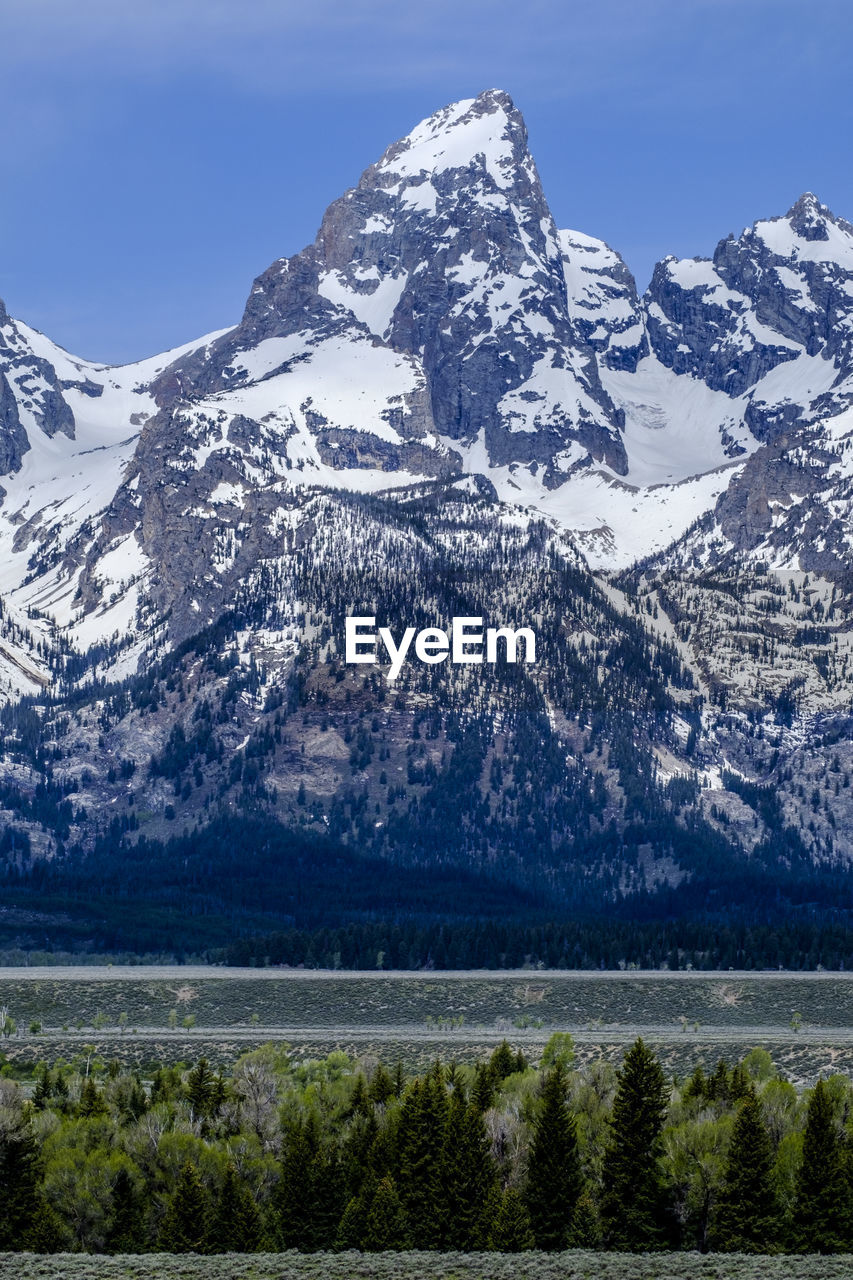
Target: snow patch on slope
451,137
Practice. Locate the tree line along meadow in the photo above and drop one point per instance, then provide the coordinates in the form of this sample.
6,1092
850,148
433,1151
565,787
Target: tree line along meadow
338,1154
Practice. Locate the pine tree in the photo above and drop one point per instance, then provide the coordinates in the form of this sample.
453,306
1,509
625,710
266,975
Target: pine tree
747,1219
822,1209
236,1223
46,1234
553,1172
511,1231
383,1156
161,1086
468,1176
718,1084
696,1087
310,1195
60,1091
352,1228
420,1141
483,1089
218,1094
126,1231
185,1224
454,1079
355,1155
381,1086
634,1204
134,1102
482,1175
739,1083
327,1186
91,1101
385,1226
200,1090
502,1061
360,1104
294,1201
19,1175
585,1231
43,1090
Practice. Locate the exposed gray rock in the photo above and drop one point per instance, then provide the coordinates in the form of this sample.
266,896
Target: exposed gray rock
603,302
85,386
783,289
33,384
13,437
445,251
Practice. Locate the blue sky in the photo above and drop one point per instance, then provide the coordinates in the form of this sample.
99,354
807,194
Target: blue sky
154,160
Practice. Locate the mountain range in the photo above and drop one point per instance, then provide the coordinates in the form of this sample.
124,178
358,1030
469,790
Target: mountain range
444,406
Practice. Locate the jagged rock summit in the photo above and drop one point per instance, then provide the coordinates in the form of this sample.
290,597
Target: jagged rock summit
447,256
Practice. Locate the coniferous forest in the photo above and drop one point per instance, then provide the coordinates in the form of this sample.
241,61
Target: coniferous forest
501,1156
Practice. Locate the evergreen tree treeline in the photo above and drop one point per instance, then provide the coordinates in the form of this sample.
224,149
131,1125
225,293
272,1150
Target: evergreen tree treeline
328,1155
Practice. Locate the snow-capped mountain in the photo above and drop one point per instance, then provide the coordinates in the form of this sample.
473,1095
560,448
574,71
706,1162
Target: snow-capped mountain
70,430
447,255
723,361
445,401
440,323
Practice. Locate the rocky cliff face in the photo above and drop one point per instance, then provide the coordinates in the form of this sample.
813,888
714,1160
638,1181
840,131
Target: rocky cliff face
781,294
13,437
30,396
603,303
770,322
445,254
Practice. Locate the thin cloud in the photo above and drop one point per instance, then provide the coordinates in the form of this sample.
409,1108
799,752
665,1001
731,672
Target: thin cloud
282,47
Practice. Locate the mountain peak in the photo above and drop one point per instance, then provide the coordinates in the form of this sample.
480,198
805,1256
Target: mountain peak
495,100
808,217
488,128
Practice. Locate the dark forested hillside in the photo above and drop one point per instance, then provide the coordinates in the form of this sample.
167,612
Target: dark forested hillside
247,785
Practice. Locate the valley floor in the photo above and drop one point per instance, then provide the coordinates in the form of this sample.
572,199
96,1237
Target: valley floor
143,1014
